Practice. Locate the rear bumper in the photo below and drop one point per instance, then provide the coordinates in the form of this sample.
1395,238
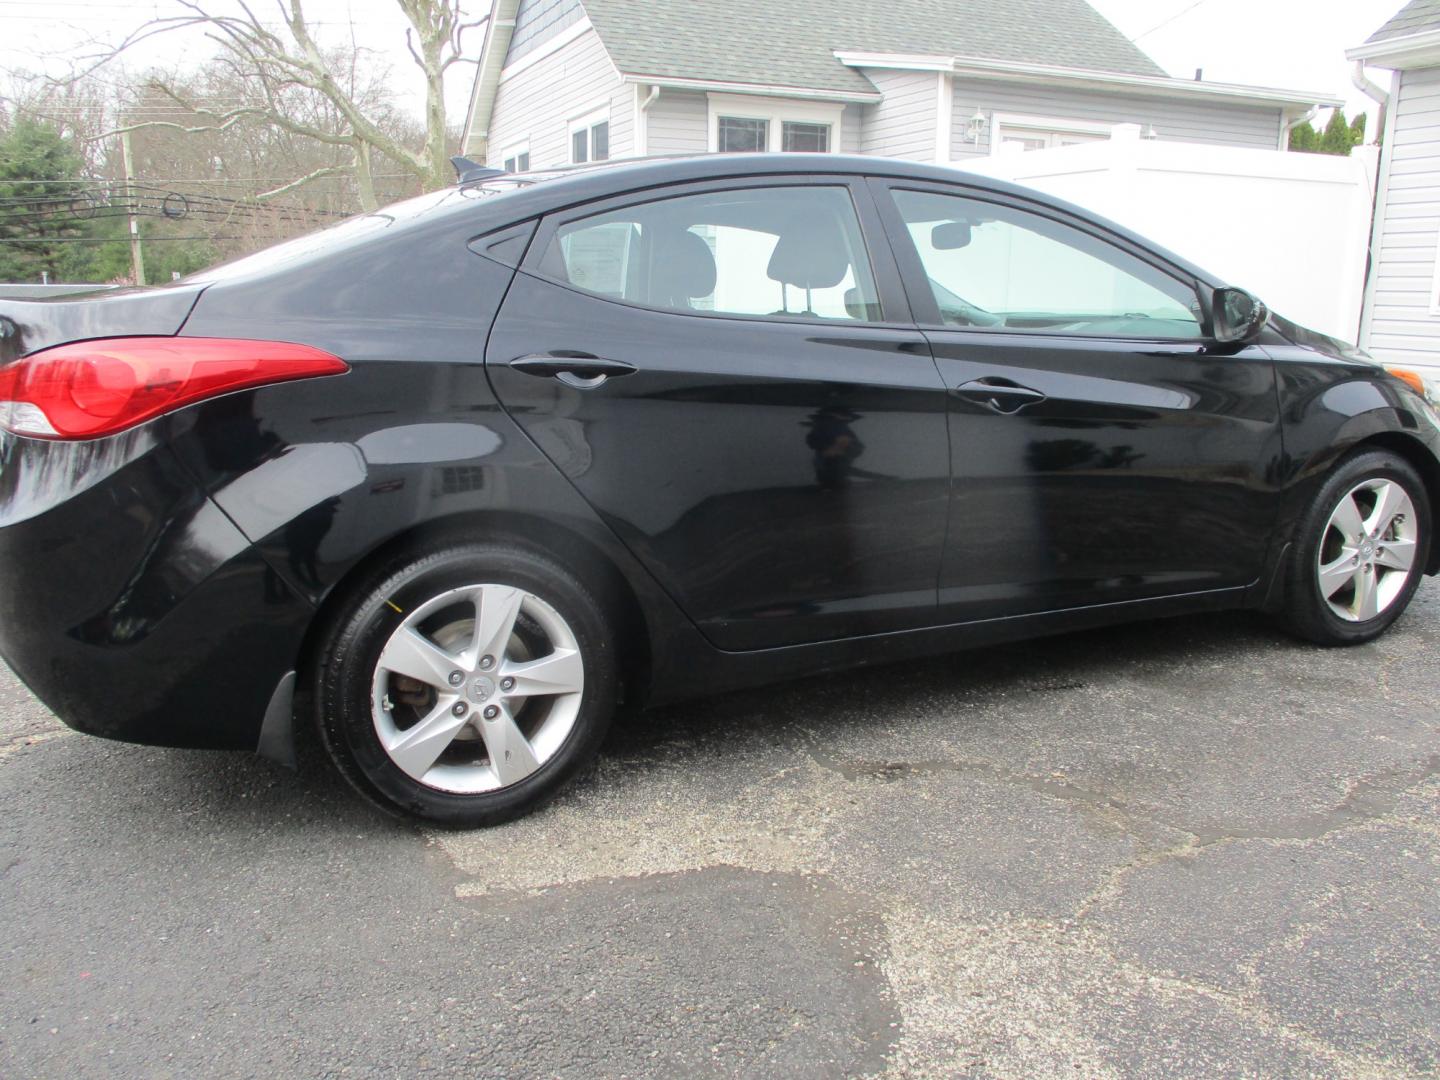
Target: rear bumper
130,604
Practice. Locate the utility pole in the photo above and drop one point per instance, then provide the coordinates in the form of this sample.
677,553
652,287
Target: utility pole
137,256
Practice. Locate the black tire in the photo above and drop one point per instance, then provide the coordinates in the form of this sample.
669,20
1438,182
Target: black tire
1306,612
349,652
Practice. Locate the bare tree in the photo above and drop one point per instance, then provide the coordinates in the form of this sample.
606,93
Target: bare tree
283,70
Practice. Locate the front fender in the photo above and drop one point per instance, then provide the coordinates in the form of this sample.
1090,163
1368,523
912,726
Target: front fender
1329,407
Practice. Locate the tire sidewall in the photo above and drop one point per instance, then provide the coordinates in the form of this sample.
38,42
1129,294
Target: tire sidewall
365,625
1310,614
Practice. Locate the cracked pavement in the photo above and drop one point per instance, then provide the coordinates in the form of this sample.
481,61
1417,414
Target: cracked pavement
1184,848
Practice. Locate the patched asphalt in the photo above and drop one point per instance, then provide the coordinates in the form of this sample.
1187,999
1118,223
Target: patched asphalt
1185,848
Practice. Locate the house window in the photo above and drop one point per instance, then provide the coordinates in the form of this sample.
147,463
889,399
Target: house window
516,159
1043,133
748,123
798,137
1037,139
741,135
590,138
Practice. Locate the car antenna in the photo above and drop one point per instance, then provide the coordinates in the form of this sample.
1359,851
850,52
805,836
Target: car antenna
469,171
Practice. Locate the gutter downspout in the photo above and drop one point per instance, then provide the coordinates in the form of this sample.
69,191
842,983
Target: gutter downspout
1372,91
642,122
1385,135
1303,118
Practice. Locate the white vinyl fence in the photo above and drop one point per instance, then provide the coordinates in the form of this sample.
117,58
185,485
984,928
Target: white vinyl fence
1291,228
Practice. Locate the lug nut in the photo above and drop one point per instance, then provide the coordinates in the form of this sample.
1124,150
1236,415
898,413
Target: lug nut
486,663
507,684
459,708
456,678
491,712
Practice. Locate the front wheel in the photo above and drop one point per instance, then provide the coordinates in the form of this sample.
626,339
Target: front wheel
464,685
1361,549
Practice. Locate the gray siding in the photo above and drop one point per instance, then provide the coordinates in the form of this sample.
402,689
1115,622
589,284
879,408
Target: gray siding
1178,121
536,20
903,125
536,105
1401,324
675,124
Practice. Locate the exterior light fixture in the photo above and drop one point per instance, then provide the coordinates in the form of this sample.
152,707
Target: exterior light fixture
976,127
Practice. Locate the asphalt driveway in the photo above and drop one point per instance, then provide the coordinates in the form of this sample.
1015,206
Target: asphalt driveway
1190,848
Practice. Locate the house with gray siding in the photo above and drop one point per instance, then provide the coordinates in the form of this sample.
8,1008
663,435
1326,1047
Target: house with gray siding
569,81
1400,320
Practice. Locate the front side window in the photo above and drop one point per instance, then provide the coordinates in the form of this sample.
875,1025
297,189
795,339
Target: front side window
996,267
783,252
741,135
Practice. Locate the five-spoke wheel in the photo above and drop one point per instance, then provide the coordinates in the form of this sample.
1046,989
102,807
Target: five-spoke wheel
465,683
1367,555
477,688
1359,550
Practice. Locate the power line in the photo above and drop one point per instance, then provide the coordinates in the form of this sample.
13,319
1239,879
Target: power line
1166,22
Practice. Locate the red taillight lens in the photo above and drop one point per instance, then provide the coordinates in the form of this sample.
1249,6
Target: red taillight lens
94,388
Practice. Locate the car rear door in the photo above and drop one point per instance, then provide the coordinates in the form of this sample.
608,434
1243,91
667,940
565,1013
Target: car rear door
729,374
1102,452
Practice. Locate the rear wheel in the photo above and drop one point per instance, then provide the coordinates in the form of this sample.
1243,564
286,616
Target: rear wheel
466,684
1362,548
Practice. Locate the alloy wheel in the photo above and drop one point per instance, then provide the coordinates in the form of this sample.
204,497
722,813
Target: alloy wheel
1367,552
477,688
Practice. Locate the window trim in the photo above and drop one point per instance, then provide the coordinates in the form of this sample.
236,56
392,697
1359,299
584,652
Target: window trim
896,312
927,310
1434,307
1000,121
775,111
586,121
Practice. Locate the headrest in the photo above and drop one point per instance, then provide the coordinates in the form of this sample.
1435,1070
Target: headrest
811,254
684,267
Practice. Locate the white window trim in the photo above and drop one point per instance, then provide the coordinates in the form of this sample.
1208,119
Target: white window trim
776,111
1434,307
514,150
596,114
999,121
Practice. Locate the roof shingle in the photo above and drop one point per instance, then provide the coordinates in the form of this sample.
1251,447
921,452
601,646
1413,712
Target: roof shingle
1414,17
755,41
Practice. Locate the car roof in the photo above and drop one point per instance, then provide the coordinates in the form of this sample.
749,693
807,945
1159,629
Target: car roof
522,196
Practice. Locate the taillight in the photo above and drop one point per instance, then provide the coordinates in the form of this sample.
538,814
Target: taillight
94,388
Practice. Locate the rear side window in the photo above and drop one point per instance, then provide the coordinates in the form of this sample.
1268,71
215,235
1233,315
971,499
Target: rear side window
1001,268
781,252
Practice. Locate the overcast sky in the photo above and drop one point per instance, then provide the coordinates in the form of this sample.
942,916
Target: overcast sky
1296,44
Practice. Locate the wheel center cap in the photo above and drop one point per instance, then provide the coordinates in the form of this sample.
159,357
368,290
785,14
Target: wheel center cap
482,688
1367,549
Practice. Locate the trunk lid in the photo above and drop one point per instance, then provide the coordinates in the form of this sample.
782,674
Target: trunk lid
28,325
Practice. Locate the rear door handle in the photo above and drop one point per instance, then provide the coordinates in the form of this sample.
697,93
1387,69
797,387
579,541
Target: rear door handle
999,394
583,371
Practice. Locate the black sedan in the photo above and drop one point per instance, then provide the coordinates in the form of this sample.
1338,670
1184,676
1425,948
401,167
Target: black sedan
452,480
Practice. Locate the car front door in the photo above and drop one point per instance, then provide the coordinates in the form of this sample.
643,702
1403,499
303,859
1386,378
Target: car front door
1102,452
730,376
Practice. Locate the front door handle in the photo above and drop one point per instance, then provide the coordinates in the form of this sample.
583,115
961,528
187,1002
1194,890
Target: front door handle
583,371
999,394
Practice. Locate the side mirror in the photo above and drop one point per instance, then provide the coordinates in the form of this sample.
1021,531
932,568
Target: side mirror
1237,316
950,235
